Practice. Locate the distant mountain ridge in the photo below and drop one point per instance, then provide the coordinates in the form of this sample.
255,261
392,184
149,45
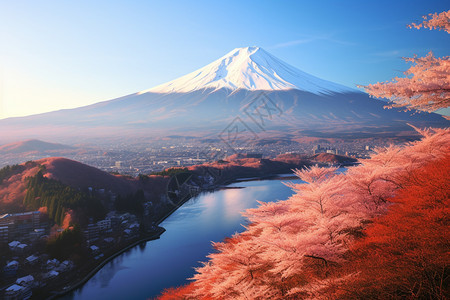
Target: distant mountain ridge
235,88
32,146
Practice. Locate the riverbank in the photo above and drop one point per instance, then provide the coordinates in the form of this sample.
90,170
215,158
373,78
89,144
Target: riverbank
167,262
94,270
220,184
156,235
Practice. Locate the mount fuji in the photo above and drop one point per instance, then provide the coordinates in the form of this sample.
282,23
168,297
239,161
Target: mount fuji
264,94
250,68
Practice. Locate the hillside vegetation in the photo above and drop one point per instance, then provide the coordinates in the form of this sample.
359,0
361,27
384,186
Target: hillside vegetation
59,185
379,231
59,198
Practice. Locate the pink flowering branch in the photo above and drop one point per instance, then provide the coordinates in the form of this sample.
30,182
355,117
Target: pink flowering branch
427,83
435,21
426,86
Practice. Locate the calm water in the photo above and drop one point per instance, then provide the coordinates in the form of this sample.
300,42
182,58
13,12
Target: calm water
146,270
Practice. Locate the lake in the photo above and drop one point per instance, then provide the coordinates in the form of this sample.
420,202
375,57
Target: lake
145,270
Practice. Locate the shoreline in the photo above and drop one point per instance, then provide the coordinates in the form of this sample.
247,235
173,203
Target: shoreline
97,268
92,272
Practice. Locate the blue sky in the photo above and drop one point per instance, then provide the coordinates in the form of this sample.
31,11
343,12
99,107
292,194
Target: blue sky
62,54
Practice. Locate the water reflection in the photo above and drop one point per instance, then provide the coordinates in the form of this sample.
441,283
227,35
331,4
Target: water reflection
142,246
107,273
144,271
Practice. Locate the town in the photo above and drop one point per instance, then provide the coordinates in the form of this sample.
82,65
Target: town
165,154
27,264
30,249
27,260
134,159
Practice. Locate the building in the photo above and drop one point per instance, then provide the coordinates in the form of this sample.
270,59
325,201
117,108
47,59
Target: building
94,250
16,291
26,281
351,154
91,233
104,225
114,221
13,245
32,259
50,275
109,241
21,224
37,233
332,151
317,149
65,266
4,234
21,248
11,268
17,246
134,227
52,264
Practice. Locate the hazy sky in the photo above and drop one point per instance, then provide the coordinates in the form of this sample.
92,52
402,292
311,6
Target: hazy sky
64,54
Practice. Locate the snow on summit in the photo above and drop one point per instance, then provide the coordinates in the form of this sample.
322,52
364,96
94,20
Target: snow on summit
250,68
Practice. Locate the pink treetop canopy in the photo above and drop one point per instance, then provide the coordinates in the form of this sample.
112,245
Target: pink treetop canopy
426,86
427,83
435,21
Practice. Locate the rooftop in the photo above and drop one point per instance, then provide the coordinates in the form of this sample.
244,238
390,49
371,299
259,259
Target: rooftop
14,288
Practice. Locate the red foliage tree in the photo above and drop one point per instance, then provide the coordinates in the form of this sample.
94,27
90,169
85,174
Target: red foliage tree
176,293
406,252
293,249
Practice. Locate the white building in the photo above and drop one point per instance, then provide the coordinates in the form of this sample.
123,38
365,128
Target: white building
94,249
11,268
32,259
52,264
4,234
26,281
13,245
50,275
16,291
104,225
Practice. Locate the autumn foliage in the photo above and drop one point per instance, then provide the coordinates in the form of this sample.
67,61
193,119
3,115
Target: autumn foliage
379,229
405,253
426,86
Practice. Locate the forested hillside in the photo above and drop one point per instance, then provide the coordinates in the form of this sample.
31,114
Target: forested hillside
59,198
60,186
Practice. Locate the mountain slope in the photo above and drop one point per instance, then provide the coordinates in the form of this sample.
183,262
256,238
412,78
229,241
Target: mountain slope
31,146
72,173
246,84
250,68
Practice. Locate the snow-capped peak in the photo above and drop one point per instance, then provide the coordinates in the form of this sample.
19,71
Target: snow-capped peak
250,68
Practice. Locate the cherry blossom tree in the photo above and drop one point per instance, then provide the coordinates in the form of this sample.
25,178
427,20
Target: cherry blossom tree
294,249
435,21
426,86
